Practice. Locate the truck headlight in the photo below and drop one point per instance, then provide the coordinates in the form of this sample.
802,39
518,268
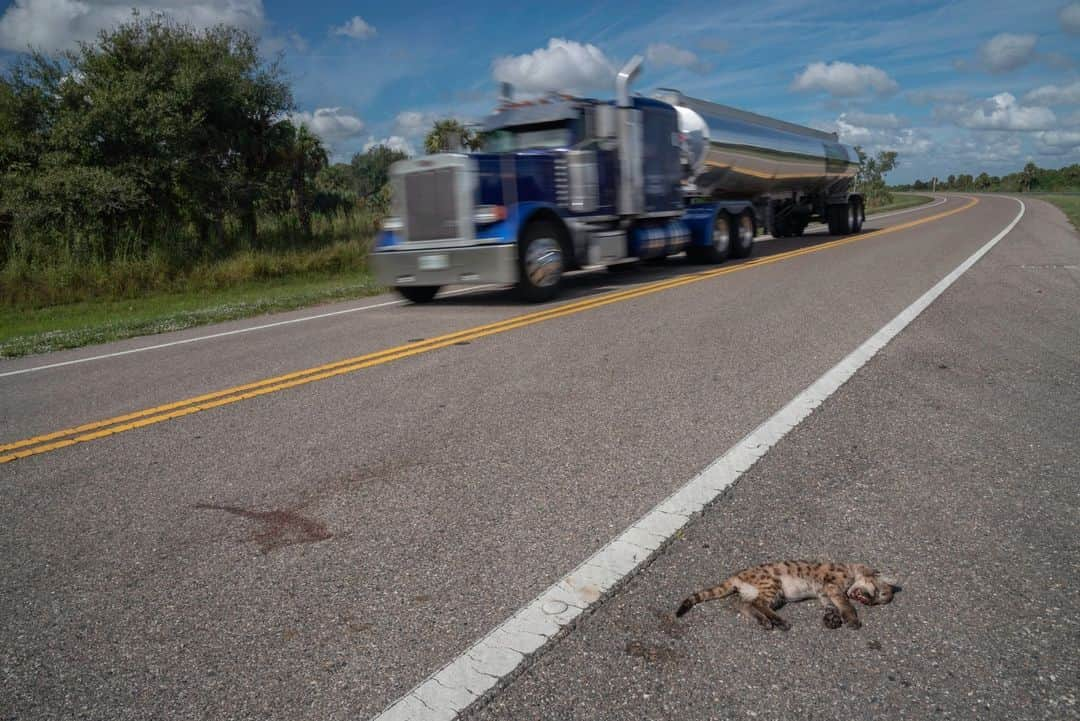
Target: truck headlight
486,214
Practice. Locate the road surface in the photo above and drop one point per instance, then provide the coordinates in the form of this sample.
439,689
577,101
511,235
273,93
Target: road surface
307,520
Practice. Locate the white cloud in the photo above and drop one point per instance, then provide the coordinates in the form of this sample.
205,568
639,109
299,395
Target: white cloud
906,142
1054,94
873,120
844,80
985,149
1000,112
1063,140
1007,51
562,65
663,54
413,123
1069,16
333,125
357,28
52,25
394,142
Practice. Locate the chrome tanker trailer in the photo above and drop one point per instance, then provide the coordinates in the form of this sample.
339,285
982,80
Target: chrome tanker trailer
565,182
790,172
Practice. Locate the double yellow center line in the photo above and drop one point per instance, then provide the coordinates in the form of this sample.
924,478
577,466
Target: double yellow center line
159,414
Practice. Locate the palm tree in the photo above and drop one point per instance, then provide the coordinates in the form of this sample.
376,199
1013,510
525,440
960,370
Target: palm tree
1027,178
449,134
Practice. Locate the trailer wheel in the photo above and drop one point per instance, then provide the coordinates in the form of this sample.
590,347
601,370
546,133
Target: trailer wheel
540,262
838,218
723,228
855,215
418,293
742,236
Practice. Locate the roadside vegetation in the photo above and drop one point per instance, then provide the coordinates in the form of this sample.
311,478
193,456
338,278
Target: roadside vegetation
1032,179
899,202
1069,205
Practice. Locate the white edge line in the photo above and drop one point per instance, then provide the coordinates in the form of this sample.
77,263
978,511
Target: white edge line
223,334
238,331
493,658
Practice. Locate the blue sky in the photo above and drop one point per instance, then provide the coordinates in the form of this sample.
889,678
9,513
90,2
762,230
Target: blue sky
952,86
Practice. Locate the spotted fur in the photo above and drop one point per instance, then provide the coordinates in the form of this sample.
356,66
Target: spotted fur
762,589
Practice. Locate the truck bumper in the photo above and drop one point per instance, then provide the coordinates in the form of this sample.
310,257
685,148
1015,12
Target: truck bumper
446,266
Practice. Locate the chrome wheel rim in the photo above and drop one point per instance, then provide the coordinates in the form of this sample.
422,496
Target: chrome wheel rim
746,231
721,234
544,262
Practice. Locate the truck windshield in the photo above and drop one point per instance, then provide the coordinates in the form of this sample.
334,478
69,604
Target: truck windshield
534,136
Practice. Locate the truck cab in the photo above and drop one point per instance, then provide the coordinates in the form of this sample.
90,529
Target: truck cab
560,183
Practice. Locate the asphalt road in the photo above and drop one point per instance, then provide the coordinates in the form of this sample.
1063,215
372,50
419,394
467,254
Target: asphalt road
317,551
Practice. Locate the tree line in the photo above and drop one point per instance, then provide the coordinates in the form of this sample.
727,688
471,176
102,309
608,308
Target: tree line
1031,179
162,142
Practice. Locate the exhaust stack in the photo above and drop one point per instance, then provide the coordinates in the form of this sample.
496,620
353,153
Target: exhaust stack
631,185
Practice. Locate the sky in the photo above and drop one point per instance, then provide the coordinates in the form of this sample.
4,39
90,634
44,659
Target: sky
953,87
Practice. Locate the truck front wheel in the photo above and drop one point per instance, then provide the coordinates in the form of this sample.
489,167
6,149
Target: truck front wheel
540,262
723,232
418,293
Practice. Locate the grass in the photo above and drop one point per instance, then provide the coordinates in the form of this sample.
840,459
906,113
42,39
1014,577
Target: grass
1068,204
900,201
23,332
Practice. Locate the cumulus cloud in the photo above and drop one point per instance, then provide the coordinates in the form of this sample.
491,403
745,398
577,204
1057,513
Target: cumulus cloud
873,120
844,80
663,54
1069,16
394,142
412,123
356,28
1065,141
562,65
1007,51
986,149
1054,94
907,142
53,25
333,125
1001,112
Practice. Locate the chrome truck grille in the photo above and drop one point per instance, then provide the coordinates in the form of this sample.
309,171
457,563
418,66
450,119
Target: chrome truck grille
431,207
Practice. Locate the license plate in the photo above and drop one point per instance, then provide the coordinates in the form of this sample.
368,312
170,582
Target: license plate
434,262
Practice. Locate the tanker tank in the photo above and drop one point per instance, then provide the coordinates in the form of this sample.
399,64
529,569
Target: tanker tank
732,153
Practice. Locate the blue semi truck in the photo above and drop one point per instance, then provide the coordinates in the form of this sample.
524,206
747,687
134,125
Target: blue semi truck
564,183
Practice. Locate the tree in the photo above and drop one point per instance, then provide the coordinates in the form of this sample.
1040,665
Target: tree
870,180
176,122
301,155
371,169
1028,177
445,135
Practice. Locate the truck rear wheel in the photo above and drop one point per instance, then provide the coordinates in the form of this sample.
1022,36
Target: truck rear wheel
742,237
838,218
540,262
723,232
418,293
855,215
